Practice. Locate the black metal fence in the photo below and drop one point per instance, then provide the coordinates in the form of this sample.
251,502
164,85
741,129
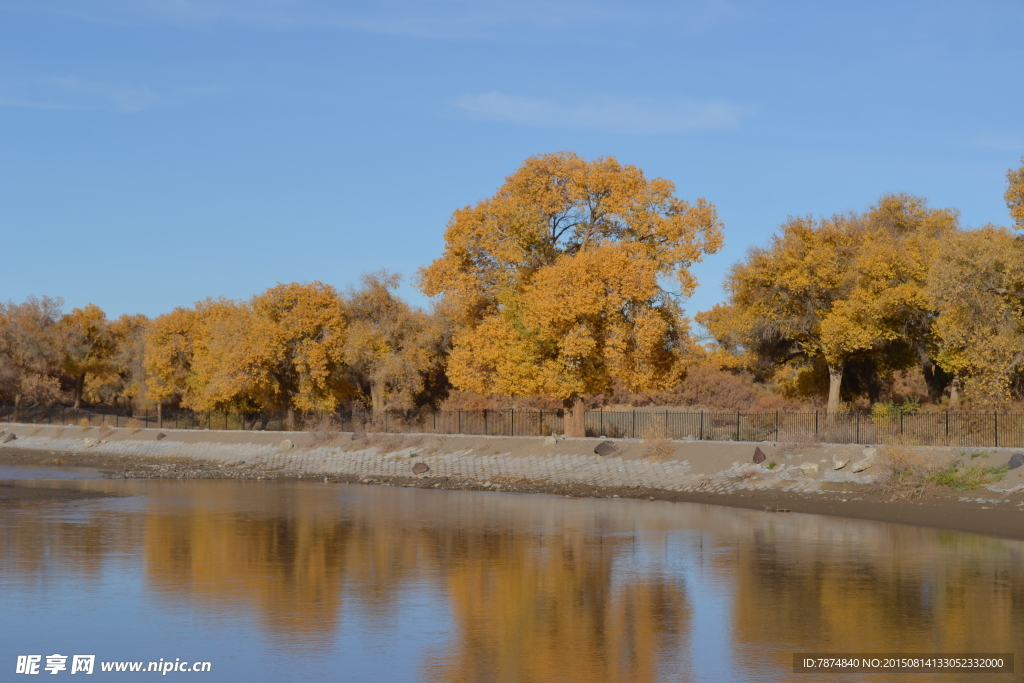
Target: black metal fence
966,430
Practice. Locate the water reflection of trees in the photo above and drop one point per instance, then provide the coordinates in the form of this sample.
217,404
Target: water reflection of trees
527,604
541,588
533,605
843,586
37,546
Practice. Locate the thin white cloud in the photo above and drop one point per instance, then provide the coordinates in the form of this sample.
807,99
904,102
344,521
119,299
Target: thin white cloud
605,113
81,95
425,18
1000,141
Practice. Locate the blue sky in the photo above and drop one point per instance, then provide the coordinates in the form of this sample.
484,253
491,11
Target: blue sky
155,152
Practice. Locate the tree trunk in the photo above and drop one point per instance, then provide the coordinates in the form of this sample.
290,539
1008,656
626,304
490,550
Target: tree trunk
79,390
289,420
17,407
835,380
159,415
575,417
376,398
955,388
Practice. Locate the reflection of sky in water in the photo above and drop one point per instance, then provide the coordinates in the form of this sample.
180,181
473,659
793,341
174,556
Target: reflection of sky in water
273,582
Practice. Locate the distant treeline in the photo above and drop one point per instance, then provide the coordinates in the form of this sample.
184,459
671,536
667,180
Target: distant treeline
564,290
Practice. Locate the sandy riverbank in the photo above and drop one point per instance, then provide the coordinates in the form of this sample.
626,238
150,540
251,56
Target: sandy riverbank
803,478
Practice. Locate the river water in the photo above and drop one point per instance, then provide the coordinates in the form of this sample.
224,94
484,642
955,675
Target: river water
274,581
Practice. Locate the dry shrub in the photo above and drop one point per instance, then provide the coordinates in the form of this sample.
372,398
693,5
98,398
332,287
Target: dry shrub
135,423
324,430
659,449
747,470
706,387
83,422
905,472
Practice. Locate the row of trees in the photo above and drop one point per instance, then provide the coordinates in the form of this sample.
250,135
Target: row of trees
855,298
567,285
293,347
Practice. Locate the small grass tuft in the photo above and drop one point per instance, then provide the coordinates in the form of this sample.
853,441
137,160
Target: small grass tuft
969,478
772,465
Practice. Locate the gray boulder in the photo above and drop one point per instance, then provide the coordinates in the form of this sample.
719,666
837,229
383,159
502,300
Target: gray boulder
10,437
759,456
1016,460
606,448
420,468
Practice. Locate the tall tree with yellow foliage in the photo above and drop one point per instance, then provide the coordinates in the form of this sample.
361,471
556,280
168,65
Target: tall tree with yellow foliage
977,287
31,351
170,343
88,347
838,289
390,347
556,283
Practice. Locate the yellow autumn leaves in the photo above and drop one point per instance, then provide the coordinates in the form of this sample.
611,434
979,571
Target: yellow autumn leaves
556,283
566,284
294,347
862,296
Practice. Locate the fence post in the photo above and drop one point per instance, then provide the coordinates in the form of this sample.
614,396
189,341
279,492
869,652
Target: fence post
701,436
815,423
901,423
776,425
995,420
947,428
858,428
486,431
634,424
602,421
737,425
435,420
460,420
512,422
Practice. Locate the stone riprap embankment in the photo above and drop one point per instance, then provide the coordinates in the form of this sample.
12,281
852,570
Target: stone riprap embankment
679,466
708,467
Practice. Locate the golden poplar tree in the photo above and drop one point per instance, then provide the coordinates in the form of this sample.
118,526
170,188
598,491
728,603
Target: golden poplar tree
88,347
170,343
556,283
298,337
281,350
836,289
390,347
31,351
977,286
128,379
